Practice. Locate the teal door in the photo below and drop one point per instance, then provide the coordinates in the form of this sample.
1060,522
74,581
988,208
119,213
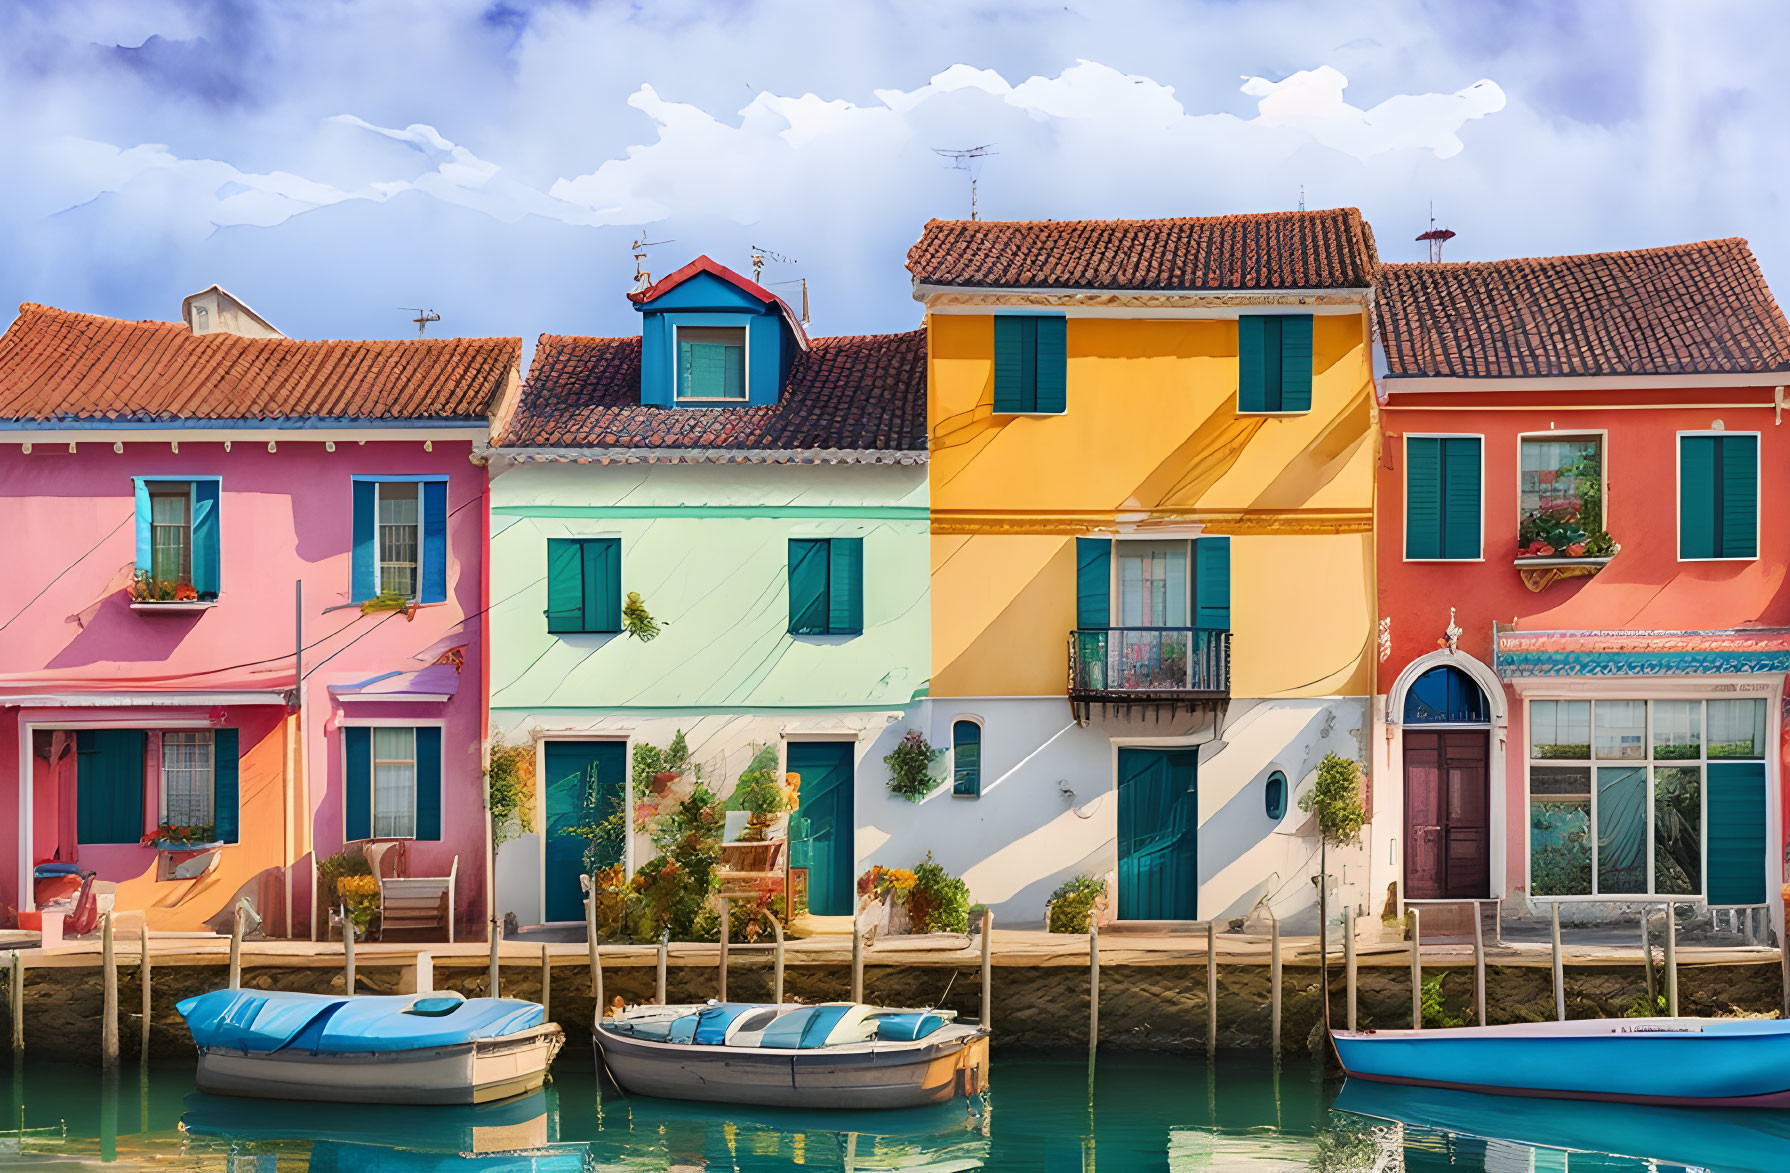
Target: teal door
109,785
1737,847
585,784
1158,829
826,804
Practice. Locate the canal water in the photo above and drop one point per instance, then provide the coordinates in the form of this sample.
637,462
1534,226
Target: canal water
1139,1114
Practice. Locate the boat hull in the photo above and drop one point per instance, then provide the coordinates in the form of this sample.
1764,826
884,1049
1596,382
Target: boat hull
948,1063
1701,1062
475,1072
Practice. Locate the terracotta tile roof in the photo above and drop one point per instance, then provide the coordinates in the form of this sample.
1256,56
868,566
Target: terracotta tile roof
1686,309
857,393
1332,249
62,366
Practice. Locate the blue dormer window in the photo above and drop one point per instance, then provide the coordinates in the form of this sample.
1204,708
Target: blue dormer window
711,362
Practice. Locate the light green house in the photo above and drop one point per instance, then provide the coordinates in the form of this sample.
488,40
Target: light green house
765,495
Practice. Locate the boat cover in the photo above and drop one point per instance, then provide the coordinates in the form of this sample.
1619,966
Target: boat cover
273,1020
907,1027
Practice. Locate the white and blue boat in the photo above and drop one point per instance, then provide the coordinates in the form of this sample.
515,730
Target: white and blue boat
437,1048
1699,1062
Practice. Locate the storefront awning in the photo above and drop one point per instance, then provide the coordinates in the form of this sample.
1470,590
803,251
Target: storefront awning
1524,654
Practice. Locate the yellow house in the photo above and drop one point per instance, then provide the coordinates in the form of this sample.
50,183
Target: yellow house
1152,452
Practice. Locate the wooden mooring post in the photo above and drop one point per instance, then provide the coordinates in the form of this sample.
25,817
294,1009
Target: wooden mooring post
664,948
143,981
1274,984
596,958
777,931
726,932
17,999
1416,969
1349,969
987,968
546,981
857,960
348,979
1211,989
1478,964
494,977
1671,962
108,1013
235,982
1559,971
1093,988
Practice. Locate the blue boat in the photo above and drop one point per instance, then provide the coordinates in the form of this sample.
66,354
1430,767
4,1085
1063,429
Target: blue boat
1699,1062
437,1048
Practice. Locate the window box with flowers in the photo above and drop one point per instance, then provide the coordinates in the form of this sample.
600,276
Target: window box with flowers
1560,503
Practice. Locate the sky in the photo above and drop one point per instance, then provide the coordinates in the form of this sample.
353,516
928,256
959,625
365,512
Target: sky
332,161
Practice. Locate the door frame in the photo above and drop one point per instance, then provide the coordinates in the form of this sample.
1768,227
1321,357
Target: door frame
541,738
1199,813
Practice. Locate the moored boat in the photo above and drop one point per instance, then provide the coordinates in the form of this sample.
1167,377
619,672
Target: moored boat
1703,1062
435,1048
834,1055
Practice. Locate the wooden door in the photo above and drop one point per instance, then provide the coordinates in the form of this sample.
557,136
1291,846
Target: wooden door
585,784
1447,815
1158,834
826,804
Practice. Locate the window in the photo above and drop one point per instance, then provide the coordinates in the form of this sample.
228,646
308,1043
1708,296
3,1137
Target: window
966,758
394,783
584,585
1275,797
1177,584
1273,363
1153,584
1031,358
1560,498
177,539
1442,497
1445,696
171,531
1621,793
711,362
400,538
1718,497
826,586
399,523
187,778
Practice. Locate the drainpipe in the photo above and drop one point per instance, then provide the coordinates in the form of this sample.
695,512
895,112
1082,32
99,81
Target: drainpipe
484,677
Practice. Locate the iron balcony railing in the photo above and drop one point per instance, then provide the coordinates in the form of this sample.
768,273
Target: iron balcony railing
1177,661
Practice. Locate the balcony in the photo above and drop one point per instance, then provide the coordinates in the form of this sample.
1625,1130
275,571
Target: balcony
1149,665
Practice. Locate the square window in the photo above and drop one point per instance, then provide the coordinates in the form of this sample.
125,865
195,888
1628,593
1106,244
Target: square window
171,531
711,362
399,538
1560,498
188,768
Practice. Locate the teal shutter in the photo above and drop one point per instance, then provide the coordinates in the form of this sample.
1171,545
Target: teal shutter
225,789
808,575
1740,497
602,584
206,552
1699,521
966,758
1053,365
1212,583
1460,497
364,574
1295,362
1736,833
357,778
433,587
1252,364
1010,389
1423,497
845,586
565,585
109,785
428,782
1093,583
145,543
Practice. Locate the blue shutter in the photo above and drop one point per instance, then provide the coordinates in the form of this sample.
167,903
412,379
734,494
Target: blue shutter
808,586
1252,368
1093,583
1699,526
225,789
364,576
433,588
1212,583
1423,497
1460,497
1295,362
1736,833
1740,497
1010,393
145,543
1053,365
428,782
966,758
845,586
602,575
206,552
565,585
357,779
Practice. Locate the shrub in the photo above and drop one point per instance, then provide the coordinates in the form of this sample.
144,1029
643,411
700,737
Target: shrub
1072,904
940,901
759,790
1337,800
910,767
510,788
359,894
637,621
671,890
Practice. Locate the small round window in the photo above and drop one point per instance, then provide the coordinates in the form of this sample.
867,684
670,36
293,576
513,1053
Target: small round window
1276,797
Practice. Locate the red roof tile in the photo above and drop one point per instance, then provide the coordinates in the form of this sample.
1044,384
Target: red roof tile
62,366
1332,249
1685,309
857,393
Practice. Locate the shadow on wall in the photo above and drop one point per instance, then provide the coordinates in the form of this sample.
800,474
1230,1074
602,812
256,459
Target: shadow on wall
113,632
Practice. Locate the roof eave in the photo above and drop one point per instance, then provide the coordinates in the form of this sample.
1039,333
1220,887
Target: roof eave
1409,384
645,455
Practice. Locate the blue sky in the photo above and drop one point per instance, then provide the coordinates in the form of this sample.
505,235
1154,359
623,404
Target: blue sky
330,161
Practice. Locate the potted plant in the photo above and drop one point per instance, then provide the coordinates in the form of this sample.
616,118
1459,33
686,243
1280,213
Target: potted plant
910,767
146,588
761,795
174,837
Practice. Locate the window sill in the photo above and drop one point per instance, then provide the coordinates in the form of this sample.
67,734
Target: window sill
172,607
1538,574
1272,414
1034,414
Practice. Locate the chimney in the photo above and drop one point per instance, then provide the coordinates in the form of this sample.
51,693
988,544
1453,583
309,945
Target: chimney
217,311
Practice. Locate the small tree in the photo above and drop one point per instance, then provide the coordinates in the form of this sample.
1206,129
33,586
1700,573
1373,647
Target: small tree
510,788
1336,800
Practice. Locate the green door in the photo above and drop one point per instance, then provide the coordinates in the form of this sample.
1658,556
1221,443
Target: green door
585,784
1158,828
109,785
826,804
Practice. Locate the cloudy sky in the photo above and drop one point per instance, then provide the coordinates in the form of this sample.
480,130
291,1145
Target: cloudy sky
331,160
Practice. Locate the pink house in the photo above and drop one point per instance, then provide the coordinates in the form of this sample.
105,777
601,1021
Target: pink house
243,621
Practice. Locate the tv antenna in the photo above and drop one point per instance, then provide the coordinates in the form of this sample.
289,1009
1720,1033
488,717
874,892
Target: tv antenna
761,254
423,317
1436,237
642,279
968,160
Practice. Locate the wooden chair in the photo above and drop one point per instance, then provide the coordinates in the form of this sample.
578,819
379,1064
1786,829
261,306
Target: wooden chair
407,903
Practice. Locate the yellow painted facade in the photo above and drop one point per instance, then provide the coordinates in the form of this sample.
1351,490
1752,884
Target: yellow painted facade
1152,438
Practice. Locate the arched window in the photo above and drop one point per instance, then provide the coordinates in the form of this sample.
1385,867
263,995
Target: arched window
1276,795
966,759
1445,695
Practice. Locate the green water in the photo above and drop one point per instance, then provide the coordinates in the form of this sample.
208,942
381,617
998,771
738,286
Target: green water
1142,1114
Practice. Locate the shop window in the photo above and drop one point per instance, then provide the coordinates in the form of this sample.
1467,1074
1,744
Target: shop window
1560,498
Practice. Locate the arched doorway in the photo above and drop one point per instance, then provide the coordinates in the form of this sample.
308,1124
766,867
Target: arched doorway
1447,743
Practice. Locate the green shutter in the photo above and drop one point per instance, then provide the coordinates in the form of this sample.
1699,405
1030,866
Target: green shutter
1212,583
1736,843
565,585
357,788
808,586
1460,497
1093,583
1699,526
205,538
1423,497
1252,365
1053,364
428,782
602,584
109,785
845,586
225,789
1740,497
1012,391
1295,362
